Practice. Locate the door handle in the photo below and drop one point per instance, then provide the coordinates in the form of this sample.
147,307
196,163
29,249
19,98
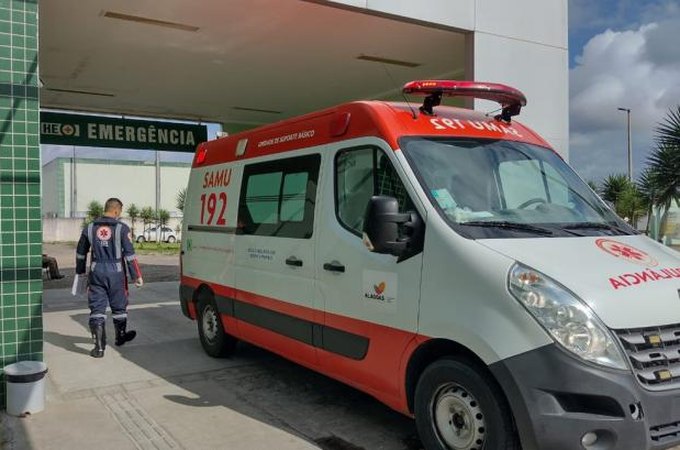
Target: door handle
293,261
334,266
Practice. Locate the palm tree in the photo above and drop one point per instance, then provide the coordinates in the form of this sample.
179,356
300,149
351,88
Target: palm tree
162,215
614,186
665,165
94,210
133,214
631,204
612,190
668,131
147,215
647,190
179,200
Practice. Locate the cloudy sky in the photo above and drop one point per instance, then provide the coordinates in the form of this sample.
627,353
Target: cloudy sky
623,53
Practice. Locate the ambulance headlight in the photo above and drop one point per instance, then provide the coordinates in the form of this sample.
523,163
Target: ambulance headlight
568,320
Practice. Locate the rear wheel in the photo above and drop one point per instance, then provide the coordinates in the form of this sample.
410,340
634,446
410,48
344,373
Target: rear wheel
214,340
140,239
459,406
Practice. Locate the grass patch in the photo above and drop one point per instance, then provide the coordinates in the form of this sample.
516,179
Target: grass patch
157,248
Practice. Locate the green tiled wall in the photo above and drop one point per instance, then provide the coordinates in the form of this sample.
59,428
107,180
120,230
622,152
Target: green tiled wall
21,330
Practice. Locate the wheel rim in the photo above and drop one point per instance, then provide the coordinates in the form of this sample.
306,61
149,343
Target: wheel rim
209,324
458,419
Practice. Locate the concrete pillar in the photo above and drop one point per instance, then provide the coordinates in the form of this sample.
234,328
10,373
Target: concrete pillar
524,44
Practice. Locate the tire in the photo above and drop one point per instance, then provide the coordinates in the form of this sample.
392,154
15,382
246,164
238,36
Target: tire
140,240
215,341
459,406
171,240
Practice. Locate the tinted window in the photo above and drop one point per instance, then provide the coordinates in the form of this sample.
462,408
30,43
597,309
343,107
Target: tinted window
262,197
359,174
277,197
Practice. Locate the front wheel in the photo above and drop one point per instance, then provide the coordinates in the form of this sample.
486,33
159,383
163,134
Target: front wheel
140,240
459,406
171,240
214,340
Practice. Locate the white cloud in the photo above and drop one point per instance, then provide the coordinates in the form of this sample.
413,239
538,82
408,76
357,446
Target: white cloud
637,69
619,14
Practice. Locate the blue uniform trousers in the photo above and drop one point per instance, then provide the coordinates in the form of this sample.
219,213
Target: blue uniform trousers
107,288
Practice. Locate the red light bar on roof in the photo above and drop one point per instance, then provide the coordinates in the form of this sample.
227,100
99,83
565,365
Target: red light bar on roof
510,99
201,156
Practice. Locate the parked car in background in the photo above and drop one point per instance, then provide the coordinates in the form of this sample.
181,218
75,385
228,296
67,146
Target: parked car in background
150,235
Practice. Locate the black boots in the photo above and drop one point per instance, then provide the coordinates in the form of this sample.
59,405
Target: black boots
123,336
99,336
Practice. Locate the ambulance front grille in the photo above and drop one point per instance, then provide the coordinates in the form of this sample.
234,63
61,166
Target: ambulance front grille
665,433
654,354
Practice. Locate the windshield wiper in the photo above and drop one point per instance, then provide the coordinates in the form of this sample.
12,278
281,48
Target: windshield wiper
595,226
508,225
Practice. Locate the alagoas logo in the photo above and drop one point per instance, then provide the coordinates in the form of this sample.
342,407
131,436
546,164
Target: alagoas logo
378,289
626,252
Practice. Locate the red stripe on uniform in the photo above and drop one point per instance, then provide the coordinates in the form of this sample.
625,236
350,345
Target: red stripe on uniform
136,264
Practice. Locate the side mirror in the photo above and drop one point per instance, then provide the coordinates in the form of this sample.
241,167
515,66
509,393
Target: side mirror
382,223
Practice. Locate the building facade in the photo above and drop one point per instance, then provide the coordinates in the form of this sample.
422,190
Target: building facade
99,179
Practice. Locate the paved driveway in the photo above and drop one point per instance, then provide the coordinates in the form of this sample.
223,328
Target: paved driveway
162,392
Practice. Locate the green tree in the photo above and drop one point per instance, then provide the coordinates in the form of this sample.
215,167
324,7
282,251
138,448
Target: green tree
647,190
94,210
668,131
660,183
664,164
179,200
178,230
162,216
593,185
613,186
630,204
147,215
133,214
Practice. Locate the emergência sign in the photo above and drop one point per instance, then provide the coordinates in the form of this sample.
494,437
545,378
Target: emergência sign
96,131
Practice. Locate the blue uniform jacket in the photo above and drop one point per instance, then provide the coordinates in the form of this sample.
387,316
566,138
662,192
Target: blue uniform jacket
109,241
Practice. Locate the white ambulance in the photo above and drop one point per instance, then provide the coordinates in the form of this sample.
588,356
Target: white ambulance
445,261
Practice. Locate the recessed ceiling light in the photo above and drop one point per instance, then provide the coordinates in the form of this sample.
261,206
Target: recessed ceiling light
76,91
394,62
268,111
148,21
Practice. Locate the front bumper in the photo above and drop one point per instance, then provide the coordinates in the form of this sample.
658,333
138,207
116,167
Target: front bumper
556,399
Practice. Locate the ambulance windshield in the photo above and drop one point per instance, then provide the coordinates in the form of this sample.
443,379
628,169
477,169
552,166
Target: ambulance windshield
496,188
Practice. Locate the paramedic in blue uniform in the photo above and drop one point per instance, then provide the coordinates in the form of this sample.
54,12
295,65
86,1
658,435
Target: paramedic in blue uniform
112,252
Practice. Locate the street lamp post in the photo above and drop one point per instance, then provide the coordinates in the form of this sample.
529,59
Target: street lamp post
630,148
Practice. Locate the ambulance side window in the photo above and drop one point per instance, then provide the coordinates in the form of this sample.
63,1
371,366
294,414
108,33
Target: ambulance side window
359,174
278,197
